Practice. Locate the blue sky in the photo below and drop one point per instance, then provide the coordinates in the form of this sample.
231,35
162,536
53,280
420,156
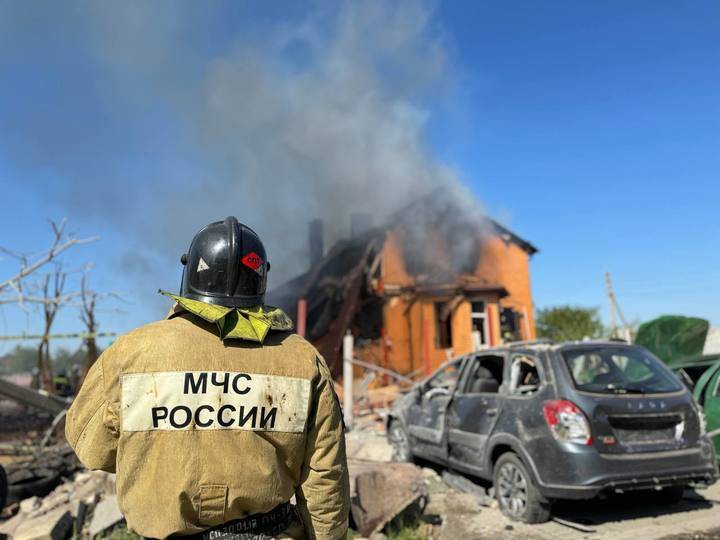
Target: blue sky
592,129
597,137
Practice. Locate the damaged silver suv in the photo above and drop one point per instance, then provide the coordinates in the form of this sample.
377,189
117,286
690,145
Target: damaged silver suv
550,421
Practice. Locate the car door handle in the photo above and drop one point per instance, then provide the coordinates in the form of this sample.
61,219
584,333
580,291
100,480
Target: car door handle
491,412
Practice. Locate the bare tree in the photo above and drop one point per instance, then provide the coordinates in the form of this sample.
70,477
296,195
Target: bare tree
62,241
49,292
87,314
89,302
53,301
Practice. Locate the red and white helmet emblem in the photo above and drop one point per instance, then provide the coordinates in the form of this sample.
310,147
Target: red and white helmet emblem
254,261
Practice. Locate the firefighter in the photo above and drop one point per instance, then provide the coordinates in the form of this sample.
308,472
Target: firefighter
62,383
216,416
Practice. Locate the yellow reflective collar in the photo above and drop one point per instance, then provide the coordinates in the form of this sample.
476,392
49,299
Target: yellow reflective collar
251,323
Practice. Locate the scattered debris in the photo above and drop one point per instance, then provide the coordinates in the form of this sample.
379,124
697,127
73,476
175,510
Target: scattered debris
9,449
368,444
38,475
461,483
105,516
574,525
377,399
55,525
33,398
66,507
379,492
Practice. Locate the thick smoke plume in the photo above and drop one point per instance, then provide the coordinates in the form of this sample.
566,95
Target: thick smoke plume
322,115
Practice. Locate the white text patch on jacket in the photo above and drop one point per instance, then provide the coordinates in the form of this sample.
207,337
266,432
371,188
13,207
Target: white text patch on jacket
180,400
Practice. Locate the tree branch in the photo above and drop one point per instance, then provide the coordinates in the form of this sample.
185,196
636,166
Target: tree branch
58,246
21,299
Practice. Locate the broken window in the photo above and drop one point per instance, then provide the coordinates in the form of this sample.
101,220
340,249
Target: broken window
485,375
586,367
479,325
510,324
524,374
368,320
446,376
443,325
608,371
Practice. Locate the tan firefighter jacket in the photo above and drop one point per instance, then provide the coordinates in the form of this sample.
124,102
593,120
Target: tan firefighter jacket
202,431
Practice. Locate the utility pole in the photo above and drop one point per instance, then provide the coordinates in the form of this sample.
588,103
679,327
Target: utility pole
616,312
611,305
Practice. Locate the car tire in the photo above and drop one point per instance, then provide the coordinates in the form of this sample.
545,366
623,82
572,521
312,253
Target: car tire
400,443
3,488
671,494
517,495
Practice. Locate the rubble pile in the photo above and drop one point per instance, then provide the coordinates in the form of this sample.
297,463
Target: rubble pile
45,493
386,494
51,497
37,475
83,506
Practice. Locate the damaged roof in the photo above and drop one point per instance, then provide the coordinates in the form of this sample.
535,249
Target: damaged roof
334,289
441,239
451,211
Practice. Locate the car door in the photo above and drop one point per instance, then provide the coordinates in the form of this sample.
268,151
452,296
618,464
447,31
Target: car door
474,411
707,394
426,421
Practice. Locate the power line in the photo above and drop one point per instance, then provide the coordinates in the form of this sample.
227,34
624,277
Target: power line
29,337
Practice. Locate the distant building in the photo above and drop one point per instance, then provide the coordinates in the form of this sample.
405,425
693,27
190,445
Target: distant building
436,281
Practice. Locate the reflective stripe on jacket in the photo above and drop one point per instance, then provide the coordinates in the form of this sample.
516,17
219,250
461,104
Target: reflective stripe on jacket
201,431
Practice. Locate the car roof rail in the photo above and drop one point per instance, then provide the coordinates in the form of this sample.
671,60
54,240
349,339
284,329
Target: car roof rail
541,341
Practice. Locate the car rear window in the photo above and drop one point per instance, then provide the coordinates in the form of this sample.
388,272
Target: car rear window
616,370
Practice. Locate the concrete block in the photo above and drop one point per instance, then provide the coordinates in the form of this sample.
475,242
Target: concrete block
55,525
28,505
105,515
9,527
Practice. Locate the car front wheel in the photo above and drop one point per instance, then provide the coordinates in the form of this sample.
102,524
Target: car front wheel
516,493
399,442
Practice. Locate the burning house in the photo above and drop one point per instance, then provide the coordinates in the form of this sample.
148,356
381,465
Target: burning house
437,280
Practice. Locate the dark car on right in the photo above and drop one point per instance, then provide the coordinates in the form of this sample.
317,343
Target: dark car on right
548,421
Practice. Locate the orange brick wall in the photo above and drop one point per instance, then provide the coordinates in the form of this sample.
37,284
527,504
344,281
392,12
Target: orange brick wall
501,263
393,265
404,327
508,264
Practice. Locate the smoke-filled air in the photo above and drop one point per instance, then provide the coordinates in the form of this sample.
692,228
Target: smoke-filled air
280,125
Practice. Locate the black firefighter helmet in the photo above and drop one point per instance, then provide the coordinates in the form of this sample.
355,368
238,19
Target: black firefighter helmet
226,265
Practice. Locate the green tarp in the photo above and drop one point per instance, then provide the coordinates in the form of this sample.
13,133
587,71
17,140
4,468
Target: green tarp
674,338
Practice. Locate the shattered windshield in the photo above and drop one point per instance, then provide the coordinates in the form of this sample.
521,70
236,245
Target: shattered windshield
613,370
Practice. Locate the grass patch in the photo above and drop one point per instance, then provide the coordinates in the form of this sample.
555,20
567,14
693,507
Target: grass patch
410,532
408,525
119,533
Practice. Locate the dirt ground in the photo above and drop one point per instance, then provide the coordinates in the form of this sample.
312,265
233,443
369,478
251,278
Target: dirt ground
630,517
